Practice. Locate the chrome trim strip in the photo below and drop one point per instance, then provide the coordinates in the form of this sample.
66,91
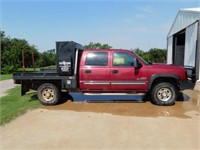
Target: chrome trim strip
128,83
96,82
76,62
115,82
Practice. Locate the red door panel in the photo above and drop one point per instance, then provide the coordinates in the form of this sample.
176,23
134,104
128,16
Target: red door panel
125,77
95,79
95,72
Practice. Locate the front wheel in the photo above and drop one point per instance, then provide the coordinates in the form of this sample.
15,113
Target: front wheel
48,94
163,94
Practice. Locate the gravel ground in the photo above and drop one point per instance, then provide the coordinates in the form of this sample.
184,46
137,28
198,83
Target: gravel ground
108,126
197,86
6,85
62,130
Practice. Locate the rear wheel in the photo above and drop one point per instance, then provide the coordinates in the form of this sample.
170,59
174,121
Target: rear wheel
163,94
48,94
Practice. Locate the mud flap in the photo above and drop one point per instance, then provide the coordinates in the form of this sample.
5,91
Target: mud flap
24,88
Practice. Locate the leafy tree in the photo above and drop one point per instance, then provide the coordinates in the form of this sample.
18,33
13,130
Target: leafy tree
142,54
47,58
154,55
92,45
11,53
157,55
2,34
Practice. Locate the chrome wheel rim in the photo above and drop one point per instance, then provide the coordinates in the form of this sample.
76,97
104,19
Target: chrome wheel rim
164,94
48,94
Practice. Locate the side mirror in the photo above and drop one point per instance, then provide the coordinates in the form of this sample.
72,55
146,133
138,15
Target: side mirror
137,64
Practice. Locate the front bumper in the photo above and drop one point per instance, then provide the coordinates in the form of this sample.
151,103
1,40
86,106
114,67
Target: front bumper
186,85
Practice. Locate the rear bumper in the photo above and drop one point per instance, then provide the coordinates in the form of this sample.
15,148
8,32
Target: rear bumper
186,85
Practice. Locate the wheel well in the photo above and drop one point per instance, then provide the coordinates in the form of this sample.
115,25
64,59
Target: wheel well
171,80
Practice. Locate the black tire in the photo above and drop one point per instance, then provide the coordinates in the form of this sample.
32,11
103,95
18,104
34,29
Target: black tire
48,94
163,94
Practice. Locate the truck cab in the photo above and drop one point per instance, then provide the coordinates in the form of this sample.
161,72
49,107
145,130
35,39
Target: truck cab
112,71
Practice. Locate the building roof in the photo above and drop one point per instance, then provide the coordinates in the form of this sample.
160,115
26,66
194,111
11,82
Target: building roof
184,18
197,9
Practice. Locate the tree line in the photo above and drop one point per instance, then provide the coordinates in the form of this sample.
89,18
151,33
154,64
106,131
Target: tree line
11,55
154,55
12,48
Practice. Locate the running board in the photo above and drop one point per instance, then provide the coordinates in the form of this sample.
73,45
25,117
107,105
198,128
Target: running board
136,94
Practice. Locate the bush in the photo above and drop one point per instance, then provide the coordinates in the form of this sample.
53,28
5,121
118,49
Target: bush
8,69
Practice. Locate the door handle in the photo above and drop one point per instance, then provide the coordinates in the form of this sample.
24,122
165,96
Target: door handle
88,71
114,71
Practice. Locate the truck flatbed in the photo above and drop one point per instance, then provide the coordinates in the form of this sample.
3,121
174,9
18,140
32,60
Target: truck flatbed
52,74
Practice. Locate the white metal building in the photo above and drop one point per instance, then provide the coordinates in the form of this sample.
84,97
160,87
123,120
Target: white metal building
183,40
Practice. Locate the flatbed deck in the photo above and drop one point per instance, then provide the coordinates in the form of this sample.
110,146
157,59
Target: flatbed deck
47,74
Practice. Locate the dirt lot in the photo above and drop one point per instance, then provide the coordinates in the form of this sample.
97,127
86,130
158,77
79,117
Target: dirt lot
121,125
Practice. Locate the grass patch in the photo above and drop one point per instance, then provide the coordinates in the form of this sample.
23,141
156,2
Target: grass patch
50,67
27,69
36,69
14,105
5,77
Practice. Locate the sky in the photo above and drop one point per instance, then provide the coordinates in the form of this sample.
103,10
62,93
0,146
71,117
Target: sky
125,24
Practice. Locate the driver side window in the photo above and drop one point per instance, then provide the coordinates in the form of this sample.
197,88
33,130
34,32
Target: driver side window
123,59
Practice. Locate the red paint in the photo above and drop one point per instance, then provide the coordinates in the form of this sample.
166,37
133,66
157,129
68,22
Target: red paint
112,78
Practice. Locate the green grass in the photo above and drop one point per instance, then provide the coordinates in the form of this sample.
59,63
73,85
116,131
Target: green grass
50,67
28,69
14,105
5,77
36,69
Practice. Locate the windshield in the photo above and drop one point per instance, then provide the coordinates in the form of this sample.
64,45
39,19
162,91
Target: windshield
144,61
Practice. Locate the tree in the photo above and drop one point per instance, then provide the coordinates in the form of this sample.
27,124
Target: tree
2,34
142,54
158,55
11,53
155,55
92,45
47,58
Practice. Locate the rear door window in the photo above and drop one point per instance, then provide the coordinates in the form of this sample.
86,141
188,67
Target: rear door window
97,59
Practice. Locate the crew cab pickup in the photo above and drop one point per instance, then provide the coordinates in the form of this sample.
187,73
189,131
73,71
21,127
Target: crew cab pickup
103,71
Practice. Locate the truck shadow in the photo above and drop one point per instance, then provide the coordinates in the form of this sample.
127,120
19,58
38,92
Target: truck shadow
130,105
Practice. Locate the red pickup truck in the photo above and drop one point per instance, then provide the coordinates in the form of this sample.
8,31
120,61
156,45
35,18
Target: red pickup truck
104,71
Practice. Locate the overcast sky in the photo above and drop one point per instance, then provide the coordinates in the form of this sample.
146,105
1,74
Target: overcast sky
124,24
